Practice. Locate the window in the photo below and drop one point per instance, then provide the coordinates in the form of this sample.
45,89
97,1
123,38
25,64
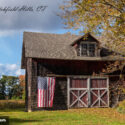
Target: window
84,49
91,49
87,49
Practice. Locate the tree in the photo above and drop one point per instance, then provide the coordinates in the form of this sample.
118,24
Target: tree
17,92
22,85
2,88
12,86
105,17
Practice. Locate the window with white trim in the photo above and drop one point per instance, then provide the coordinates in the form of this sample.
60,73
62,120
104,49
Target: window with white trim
87,49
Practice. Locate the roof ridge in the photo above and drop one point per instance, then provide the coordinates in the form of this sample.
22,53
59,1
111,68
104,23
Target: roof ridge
51,33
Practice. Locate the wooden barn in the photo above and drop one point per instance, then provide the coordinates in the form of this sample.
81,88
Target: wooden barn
76,62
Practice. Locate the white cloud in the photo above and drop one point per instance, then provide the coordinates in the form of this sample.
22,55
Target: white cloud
18,72
46,21
10,69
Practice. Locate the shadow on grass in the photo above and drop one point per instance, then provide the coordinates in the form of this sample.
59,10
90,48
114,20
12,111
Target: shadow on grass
17,120
12,110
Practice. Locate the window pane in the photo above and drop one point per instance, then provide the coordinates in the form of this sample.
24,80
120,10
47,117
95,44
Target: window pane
91,49
84,49
84,46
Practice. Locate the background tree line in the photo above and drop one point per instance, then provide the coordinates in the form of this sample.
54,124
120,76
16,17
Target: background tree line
12,87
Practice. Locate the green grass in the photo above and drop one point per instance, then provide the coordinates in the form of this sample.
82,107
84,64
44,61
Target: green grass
85,116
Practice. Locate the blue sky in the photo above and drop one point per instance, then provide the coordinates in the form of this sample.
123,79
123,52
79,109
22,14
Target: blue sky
13,24
10,48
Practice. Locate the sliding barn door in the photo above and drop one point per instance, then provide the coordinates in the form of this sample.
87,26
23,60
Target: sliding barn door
99,93
88,92
78,93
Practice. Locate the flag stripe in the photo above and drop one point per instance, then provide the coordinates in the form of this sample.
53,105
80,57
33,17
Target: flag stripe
52,92
48,90
38,97
41,96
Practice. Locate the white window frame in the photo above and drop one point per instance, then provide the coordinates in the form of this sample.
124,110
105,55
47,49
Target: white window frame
88,53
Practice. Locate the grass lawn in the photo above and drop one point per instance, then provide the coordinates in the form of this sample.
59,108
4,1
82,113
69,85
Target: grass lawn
85,116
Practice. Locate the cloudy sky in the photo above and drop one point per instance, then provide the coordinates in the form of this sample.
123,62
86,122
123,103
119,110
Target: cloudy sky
14,23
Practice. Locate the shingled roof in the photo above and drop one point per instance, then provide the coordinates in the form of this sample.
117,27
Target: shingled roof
53,46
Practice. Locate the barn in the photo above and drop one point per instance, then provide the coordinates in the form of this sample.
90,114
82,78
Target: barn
76,62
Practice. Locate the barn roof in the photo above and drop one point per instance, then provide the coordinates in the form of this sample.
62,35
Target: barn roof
86,35
54,46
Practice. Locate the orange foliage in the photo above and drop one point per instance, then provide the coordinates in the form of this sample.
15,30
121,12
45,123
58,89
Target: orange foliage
22,80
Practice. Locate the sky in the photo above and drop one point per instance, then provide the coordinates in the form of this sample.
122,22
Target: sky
29,15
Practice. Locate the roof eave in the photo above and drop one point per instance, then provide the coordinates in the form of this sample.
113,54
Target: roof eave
23,59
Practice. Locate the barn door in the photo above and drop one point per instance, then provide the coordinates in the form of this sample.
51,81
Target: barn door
78,93
99,93
88,92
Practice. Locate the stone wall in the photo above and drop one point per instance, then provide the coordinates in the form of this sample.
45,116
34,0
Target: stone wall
60,96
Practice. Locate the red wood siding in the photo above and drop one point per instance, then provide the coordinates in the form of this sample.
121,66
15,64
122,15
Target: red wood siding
78,83
98,83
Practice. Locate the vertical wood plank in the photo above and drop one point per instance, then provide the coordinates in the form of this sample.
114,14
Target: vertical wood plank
26,91
78,98
34,92
29,80
89,92
68,92
108,90
99,98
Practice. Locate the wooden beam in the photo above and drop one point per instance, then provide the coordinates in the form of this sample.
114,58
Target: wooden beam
108,90
29,81
89,91
83,76
68,92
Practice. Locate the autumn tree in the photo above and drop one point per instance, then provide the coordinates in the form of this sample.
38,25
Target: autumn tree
104,17
22,85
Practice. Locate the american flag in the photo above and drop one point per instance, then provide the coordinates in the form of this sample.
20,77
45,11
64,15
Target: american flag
46,86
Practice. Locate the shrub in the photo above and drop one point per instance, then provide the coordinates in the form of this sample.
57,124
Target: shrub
121,107
15,98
